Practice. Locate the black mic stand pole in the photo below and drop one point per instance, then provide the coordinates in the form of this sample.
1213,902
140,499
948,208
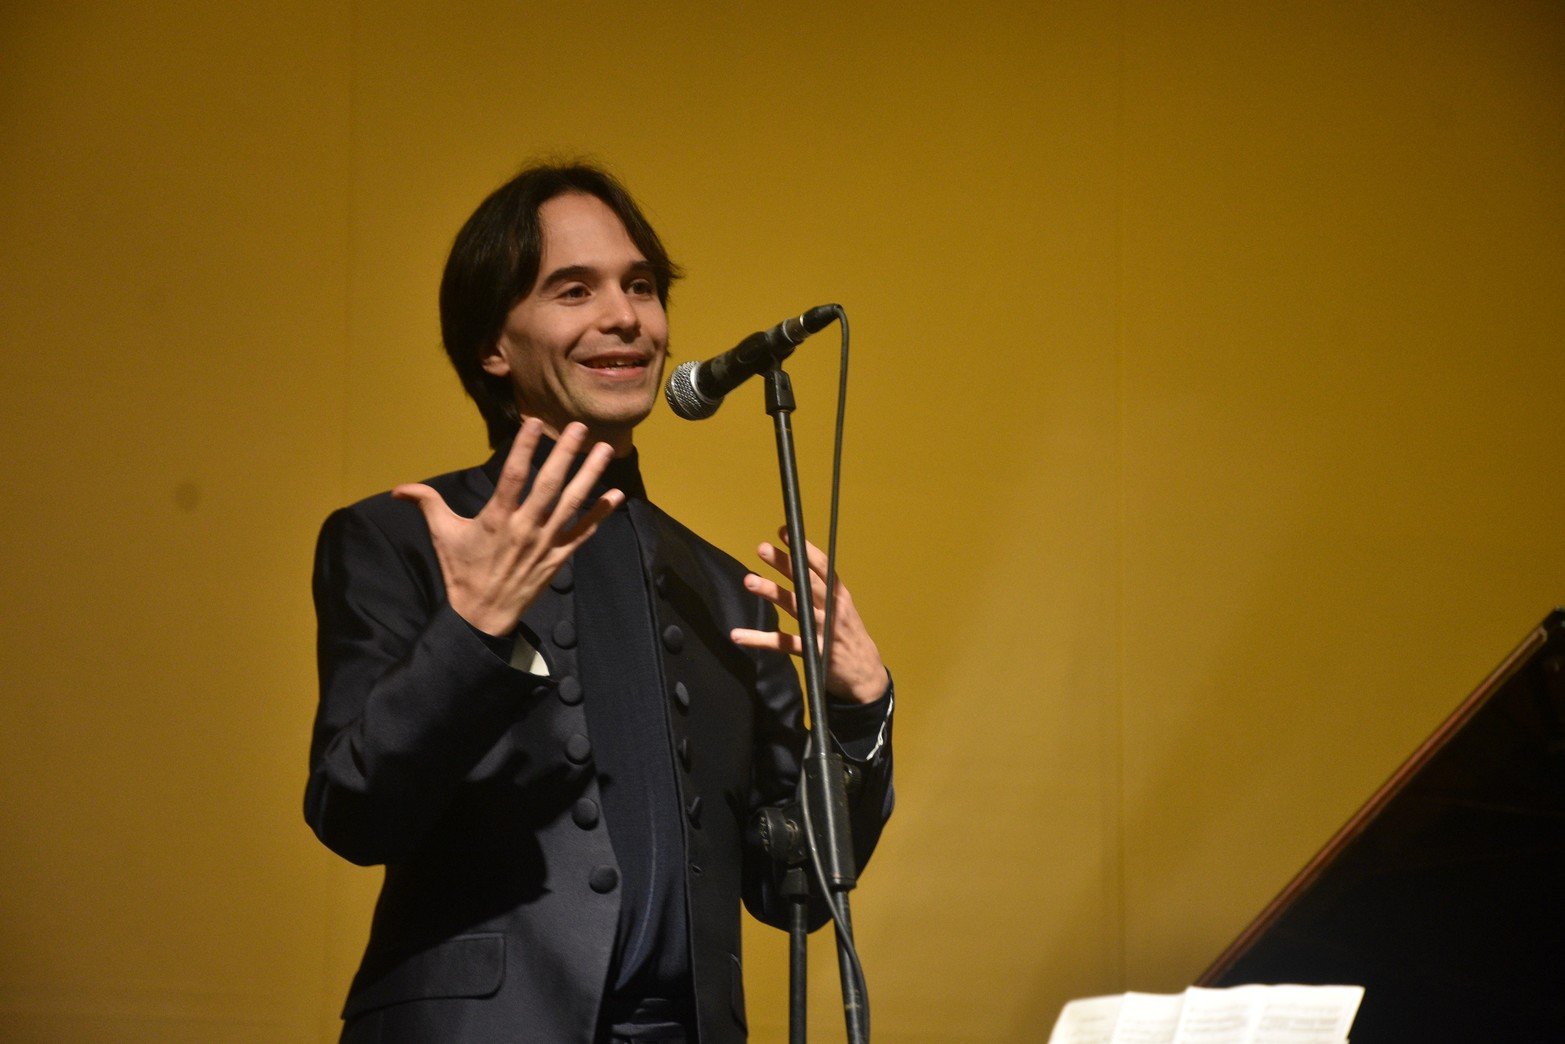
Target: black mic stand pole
825,791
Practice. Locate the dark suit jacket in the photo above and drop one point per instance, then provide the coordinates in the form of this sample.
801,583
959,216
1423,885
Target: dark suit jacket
474,783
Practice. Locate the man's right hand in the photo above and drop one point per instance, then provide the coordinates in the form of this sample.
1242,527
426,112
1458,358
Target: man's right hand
496,564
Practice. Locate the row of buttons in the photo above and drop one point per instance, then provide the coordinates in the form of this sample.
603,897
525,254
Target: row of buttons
674,641
578,748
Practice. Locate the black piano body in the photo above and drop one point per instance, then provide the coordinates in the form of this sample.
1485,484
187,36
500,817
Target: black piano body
1444,896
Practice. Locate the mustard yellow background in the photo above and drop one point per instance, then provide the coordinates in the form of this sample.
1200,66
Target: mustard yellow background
1204,447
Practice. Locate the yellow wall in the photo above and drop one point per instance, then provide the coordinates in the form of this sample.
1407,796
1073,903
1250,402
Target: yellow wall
1203,447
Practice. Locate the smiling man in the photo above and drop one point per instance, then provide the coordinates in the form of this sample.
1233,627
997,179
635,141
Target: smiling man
588,342
548,708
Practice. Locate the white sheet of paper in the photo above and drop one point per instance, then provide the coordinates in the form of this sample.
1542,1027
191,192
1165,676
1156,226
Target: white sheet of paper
1308,1014
1148,1018
1087,1021
1235,1015
1226,1016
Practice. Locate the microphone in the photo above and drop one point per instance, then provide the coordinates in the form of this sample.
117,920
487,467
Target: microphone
696,389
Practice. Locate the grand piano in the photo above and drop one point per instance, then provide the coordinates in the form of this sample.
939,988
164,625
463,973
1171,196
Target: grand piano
1444,896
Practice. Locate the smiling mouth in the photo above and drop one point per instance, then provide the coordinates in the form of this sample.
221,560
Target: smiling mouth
615,364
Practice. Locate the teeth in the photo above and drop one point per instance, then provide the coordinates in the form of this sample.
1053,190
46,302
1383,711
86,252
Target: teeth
614,364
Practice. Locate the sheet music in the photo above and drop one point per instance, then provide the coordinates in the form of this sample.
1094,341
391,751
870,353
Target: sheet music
1147,1018
1308,1014
1087,1021
1219,1016
1236,1015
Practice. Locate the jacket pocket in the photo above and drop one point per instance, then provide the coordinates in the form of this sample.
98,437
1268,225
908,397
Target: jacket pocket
466,966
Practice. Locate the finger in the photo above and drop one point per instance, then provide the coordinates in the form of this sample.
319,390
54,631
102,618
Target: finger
778,641
818,564
773,592
814,555
433,506
776,557
550,479
781,561
518,465
588,523
575,495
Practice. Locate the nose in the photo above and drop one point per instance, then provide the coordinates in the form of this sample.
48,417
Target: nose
618,314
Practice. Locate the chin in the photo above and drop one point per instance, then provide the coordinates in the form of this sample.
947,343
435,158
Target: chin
618,420
628,410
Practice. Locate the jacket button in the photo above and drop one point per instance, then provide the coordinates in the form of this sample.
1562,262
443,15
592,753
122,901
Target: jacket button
603,879
564,634
684,752
661,582
563,579
578,749
569,691
682,696
673,638
585,813
693,810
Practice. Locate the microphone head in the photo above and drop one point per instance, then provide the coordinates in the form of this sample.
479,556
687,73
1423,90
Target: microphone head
684,398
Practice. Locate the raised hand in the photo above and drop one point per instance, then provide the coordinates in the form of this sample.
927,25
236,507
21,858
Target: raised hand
856,671
496,563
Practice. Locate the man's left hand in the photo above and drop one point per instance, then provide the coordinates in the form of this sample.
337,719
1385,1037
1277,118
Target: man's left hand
856,671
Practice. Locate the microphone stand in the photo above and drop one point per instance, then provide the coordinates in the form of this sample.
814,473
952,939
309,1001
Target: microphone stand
825,791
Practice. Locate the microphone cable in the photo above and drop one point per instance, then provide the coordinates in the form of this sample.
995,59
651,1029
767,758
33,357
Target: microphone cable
844,932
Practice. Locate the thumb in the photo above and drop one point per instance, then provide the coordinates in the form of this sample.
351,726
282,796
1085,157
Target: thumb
436,511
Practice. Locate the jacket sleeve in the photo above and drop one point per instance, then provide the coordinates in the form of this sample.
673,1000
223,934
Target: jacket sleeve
411,698
865,742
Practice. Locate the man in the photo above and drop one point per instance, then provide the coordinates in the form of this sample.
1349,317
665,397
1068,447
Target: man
548,708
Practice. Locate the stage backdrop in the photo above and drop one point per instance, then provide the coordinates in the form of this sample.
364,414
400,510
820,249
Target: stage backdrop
1204,446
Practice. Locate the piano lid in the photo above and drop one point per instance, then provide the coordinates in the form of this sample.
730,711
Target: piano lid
1444,896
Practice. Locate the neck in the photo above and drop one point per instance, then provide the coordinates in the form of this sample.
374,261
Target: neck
621,440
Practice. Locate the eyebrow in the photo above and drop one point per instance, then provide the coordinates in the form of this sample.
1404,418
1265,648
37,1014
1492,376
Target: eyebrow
586,272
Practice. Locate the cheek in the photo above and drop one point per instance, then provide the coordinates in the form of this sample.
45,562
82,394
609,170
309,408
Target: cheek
656,326
536,352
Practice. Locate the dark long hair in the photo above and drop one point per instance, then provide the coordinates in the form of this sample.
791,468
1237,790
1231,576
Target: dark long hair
494,263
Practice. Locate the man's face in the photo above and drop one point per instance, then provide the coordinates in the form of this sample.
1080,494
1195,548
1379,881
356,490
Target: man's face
588,341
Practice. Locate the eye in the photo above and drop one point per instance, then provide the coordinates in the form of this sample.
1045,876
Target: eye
642,287
574,291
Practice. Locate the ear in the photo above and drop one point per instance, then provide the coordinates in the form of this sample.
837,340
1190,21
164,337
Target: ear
494,361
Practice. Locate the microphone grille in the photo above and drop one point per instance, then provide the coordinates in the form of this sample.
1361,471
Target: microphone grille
683,398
